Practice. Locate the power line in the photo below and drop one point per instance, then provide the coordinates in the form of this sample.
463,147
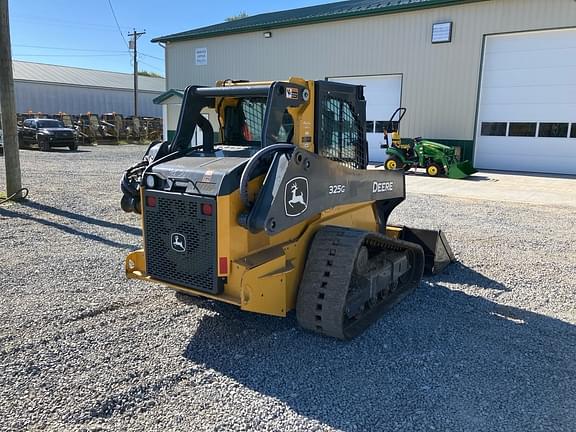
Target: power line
152,66
84,50
74,26
151,56
59,22
67,49
69,55
117,24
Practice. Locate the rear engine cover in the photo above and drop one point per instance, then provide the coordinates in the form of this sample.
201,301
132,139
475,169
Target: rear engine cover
180,240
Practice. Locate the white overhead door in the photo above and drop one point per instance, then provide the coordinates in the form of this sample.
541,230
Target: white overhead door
527,106
383,94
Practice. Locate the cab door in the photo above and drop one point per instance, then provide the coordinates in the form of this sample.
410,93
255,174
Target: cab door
383,95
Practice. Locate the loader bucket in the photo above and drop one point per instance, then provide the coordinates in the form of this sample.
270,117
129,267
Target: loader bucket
437,252
460,170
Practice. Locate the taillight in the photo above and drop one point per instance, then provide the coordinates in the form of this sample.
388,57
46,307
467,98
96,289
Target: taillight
151,201
206,209
223,267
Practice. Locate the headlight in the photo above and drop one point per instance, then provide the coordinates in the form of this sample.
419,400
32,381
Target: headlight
150,181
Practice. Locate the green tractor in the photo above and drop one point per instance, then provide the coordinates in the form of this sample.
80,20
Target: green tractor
438,159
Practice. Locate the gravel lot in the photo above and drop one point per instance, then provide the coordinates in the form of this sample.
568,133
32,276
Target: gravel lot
490,345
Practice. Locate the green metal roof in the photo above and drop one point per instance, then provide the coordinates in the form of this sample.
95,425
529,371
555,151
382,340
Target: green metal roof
167,95
309,15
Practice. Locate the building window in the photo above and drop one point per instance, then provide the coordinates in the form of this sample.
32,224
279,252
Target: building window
442,32
573,131
522,130
370,126
493,129
553,130
381,126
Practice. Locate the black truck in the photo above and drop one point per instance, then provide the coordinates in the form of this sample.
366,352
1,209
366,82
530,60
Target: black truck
46,134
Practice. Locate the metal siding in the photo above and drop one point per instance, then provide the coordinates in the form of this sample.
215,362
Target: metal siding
173,112
47,73
52,99
440,82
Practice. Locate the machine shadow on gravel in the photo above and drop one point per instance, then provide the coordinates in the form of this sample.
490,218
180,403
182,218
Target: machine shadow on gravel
82,218
440,351
65,228
458,273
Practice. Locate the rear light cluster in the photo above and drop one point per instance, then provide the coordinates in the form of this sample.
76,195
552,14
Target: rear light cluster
223,265
151,201
206,209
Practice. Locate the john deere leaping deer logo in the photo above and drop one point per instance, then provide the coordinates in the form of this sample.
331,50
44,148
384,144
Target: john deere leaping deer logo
178,242
296,196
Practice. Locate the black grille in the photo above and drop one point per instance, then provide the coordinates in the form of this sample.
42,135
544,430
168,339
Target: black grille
180,241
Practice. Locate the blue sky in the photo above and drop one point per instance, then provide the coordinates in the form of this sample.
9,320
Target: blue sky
84,34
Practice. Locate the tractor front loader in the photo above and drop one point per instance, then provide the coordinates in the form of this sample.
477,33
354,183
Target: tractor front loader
282,213
438,159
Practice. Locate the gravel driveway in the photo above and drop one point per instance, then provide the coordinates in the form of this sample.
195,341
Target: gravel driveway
490,345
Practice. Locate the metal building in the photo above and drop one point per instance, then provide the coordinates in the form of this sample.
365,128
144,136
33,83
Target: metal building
495,77
51,89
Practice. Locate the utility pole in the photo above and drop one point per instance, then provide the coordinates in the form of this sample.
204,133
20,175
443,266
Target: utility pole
133,46
8,106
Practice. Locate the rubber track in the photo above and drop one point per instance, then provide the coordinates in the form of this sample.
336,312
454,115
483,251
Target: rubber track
321,301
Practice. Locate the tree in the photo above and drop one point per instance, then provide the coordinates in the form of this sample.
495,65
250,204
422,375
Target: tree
237,17
150,74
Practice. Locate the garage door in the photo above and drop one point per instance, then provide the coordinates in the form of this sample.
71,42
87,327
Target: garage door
527,107
383,95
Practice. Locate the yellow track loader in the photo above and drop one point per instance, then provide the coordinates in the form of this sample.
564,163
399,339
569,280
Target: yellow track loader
263,200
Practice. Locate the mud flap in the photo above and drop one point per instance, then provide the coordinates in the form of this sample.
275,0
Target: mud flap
461,170
437,252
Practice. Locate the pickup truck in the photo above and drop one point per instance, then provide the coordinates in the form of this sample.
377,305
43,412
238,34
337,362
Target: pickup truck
46,134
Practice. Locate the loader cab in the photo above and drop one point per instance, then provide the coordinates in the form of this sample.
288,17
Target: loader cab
238,119
321,116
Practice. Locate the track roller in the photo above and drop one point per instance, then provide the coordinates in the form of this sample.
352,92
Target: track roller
352,277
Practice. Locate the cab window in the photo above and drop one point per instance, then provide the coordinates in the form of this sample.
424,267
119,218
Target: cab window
244,123
340,137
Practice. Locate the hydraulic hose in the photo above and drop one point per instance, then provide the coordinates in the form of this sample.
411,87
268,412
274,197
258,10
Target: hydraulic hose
133,177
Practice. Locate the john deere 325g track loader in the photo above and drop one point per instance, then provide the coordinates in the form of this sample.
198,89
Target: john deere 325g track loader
280,213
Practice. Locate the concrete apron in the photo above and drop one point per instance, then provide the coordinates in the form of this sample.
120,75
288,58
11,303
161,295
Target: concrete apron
529,188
